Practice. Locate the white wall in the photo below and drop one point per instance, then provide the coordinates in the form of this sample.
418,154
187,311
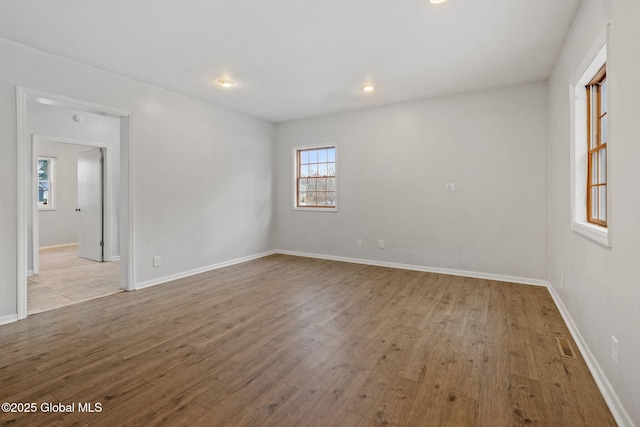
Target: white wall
392,165
202,173
602,287
60,226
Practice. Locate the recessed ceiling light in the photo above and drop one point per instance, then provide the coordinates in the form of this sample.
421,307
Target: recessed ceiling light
368,88
437,1
226,82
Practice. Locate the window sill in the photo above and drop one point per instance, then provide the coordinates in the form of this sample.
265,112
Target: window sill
594,232
315,209
46,209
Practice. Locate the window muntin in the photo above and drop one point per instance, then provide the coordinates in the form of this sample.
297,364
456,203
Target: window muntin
315,177
597,148
46,183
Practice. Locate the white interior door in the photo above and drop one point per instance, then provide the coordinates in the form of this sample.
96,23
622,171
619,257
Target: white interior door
90,204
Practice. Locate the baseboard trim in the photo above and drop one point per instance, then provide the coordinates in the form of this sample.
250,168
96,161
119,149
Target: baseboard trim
177,276
66,245
427,269
8,319
621,416
115,258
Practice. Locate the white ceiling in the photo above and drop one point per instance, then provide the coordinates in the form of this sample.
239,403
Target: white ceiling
301,58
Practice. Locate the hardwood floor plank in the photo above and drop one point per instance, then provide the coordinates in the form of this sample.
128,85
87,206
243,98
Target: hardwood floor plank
348,418
527,401
493,408
386,404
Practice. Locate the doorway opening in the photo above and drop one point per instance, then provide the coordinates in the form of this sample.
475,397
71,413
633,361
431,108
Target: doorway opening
74,247
104,236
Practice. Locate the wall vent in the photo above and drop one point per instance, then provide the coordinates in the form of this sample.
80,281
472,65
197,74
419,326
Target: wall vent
566,348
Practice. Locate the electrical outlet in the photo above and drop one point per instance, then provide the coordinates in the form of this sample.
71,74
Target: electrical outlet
380,244
157,261
450,186
614,349
359,242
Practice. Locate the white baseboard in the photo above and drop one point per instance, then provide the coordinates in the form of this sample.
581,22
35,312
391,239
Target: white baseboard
115,258
66,245
29,273
193,272
8,319
622,417
427,269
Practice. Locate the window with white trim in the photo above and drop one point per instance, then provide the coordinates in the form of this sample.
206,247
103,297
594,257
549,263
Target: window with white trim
590,148
315,178
46,182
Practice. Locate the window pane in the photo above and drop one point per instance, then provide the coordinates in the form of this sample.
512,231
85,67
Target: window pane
331,184
322,199
331,155
43,169
312,184
594,202
603,203
603,97
43,192
603,166
313,156
313,170
322,169
322,156
322,184
331,169
304,157
593,117
594,167
302,198
304,171
331,198
311,198
603,130
302,185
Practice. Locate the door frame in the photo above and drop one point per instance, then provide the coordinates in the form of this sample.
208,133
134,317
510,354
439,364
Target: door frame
24,182
107,200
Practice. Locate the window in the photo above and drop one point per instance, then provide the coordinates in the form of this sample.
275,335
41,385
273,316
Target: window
597,148
315,178
590,146
46,183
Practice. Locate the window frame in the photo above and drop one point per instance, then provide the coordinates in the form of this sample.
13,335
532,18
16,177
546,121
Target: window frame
53,170
591,64
295,154
596,145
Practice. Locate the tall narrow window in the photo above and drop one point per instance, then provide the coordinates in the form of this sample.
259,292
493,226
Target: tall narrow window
315,185
46,183
597,149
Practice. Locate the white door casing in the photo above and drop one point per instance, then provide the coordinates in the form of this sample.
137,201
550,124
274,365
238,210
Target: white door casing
25,184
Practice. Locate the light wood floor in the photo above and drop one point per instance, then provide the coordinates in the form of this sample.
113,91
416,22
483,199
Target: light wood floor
284,341
65,278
